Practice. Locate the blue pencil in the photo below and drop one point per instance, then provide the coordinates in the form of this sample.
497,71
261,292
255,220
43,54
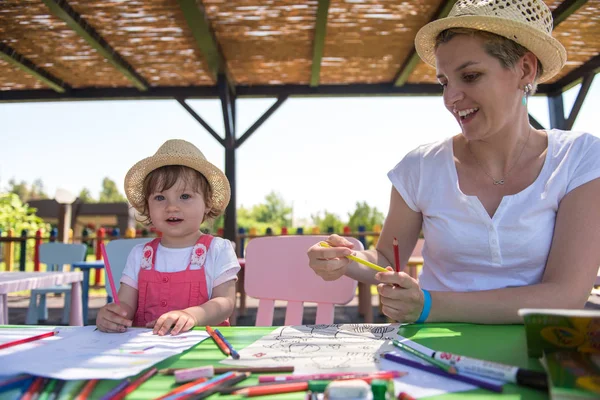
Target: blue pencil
234,353
441,372
117,389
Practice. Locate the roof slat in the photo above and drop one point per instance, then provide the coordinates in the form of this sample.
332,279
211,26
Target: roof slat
319,42
565,9
413,59
9,55
63,10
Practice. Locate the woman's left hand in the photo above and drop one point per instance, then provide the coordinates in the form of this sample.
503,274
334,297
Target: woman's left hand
401,296
180,320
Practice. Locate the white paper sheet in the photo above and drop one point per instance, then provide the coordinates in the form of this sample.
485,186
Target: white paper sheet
346,348
91,354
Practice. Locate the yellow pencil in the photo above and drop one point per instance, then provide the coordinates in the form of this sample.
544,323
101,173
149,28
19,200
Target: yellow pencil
359,260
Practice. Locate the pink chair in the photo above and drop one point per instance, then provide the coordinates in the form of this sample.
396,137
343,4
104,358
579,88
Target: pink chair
277,269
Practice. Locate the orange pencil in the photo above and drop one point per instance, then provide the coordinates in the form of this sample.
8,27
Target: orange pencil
272,389
218,341
33,388
87,390
181,388
396,255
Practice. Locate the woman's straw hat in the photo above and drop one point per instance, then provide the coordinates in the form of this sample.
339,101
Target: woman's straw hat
177,152
527,22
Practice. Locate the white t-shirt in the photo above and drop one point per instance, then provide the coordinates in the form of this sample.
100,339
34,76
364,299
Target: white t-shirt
221,263
465,249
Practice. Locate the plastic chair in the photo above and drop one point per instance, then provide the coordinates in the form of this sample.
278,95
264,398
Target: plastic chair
117,252
277,269
55,256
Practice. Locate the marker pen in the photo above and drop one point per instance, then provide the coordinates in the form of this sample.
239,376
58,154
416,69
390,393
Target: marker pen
494,370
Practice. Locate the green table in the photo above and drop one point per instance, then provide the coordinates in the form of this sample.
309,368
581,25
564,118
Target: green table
501,343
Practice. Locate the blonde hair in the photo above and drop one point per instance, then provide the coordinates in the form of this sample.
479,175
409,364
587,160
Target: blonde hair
503,49
164,178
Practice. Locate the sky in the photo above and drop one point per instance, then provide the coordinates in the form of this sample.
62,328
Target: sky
317,153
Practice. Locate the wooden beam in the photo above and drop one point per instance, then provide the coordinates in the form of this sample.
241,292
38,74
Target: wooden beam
565,9
202,122
591,66
319,42
9,55
204,36
413,58
583,91
63,10
534,122
261,120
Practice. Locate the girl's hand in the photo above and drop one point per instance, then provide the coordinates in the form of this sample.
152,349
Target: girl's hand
401,296
330,263
112,318
180,320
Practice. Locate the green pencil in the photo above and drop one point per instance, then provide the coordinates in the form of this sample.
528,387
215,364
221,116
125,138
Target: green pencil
47,389
448,368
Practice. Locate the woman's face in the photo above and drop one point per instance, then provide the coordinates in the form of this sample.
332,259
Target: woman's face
483,96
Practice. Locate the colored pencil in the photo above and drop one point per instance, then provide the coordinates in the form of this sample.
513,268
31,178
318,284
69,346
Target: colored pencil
70,389
222,386
181,388
116,390
234,354
136,383
14,381
359,260
60,384
47,389
448,368
26,340
218,341
87,389
222,370
327,377
405,396
396,255
200,387
437,371
109,274
32,390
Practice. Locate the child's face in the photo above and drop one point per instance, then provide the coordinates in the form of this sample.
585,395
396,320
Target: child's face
177,212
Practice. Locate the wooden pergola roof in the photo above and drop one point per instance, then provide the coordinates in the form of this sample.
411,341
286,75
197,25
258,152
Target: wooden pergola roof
178,49
56,49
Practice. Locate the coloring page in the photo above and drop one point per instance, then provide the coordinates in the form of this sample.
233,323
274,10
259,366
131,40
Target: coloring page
91,354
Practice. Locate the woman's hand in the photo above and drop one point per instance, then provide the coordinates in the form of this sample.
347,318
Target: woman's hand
112,318
180,320
330,262
401,296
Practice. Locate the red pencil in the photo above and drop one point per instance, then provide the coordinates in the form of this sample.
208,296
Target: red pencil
396,255
218,341
25,340
272,389
87,390
181,388
33,388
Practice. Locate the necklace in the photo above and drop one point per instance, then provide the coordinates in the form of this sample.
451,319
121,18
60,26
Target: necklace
501,180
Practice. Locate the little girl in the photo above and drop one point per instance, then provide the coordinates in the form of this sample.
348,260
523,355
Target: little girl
184,278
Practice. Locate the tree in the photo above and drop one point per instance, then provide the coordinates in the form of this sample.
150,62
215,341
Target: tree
110,193
37,190
17,215
365,216
275,212
85,196
20,189
329,220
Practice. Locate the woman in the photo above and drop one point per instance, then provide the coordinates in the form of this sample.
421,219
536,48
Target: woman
509,213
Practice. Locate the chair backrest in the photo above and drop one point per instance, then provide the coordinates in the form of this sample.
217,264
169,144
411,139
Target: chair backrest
55,255
117,252
277,269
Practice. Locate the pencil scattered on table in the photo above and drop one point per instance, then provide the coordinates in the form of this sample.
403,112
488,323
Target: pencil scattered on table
109,274
218,341
358,260
234,353
27,340
448,368
130,387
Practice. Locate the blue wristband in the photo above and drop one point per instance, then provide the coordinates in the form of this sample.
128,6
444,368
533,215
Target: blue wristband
426,307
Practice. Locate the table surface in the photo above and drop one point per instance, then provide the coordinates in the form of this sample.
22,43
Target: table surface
17,281
500,343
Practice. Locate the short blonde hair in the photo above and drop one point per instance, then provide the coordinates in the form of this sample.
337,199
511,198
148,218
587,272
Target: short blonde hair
506,51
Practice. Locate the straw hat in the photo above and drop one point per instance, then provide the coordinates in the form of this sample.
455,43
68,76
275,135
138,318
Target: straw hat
177,152
527,22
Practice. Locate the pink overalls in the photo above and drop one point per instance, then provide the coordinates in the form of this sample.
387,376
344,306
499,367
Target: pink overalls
161,292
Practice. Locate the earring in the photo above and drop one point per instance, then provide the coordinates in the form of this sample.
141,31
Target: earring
526,90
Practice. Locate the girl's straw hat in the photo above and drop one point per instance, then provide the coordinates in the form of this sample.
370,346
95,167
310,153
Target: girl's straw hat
177,152
527,22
